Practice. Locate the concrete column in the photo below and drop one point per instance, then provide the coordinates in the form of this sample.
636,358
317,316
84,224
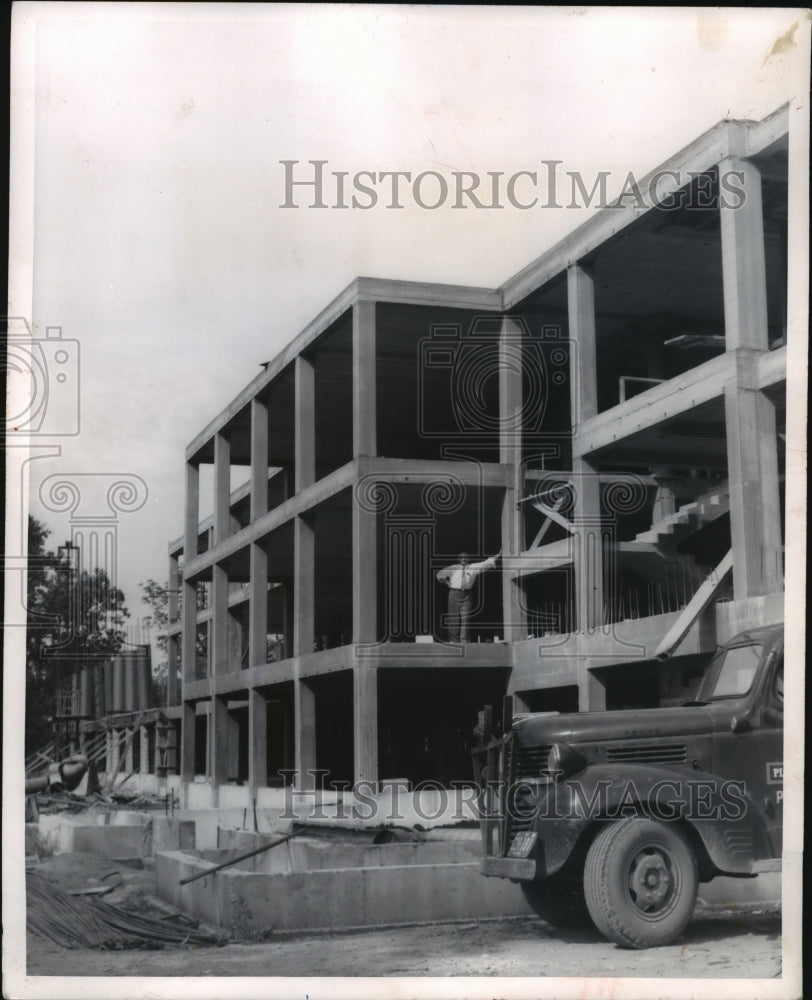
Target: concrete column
304,567
172,646
172,659
109,743
591,693
510,454
588,541
189,611
744,272
259,458
187,738
257,741
130,736
364,574
219,742
365,723
115,754
143,754
364,379
219,621
304,424
258,607
304,752
583,353
222,488
755,504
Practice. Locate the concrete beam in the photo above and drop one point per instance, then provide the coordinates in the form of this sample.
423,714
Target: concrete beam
772,368
326,487
656,405
371,289
410,470
701,155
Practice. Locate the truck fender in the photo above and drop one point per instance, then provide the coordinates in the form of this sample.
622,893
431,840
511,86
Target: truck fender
727,826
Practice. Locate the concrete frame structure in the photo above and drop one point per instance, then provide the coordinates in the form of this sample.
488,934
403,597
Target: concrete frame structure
409,421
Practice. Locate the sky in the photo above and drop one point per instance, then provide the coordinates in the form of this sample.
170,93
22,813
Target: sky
146,218
147,185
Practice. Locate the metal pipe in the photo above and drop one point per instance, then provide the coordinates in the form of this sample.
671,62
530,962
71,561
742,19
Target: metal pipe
241,857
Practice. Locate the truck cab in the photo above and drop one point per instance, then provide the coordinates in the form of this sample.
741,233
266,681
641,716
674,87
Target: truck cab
614,818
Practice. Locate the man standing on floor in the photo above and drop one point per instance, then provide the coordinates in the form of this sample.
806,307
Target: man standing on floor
461,578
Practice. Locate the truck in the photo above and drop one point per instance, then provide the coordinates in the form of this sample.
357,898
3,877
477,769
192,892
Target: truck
614,818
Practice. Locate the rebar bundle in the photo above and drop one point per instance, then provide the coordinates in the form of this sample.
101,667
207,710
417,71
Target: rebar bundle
80,923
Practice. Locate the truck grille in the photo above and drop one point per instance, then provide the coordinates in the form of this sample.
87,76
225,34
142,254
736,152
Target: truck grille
523,762
530,762
648,753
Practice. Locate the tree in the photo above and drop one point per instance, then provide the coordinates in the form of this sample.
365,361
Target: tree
74,618
156,597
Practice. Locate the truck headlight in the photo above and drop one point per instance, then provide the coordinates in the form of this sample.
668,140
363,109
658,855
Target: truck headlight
562,761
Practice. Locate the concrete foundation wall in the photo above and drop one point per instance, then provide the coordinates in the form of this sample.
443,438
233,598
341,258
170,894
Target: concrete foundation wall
342,898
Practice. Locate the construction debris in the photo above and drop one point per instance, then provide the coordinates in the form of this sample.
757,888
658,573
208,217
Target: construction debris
82,923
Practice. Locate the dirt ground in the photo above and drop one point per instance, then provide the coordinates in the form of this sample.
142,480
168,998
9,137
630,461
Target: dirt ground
718,943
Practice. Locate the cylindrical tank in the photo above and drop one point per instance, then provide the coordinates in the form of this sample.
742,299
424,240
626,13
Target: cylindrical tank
130,687
108,687
85,693
118,683
98,691
144,678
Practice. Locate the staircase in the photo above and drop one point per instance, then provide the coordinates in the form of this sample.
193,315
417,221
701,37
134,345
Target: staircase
690,517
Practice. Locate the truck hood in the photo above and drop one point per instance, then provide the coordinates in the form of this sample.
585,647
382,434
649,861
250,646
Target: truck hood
634,724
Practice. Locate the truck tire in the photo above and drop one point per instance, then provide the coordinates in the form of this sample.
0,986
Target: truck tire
640,882
559,900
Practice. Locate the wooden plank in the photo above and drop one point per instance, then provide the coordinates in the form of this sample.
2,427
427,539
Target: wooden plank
701,599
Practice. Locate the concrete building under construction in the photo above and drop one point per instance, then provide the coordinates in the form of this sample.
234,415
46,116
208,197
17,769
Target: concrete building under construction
611,419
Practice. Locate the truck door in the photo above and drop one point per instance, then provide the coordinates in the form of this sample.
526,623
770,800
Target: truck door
754,752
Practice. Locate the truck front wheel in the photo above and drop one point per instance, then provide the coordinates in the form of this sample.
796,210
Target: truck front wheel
640,882
559,900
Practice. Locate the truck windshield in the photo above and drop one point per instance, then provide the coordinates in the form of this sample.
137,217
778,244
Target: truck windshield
737,671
